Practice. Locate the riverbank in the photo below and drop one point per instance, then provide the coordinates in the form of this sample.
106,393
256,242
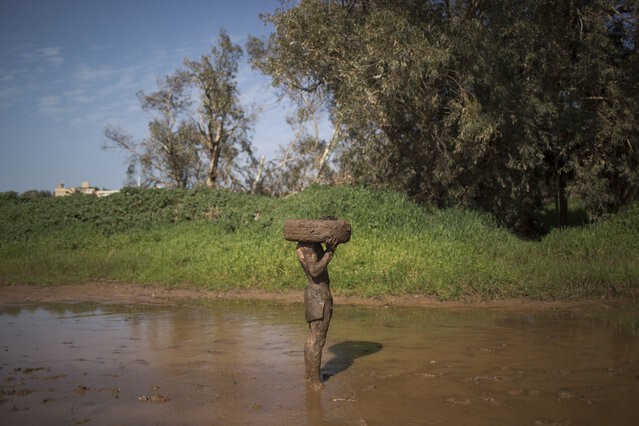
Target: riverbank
103,292
223,242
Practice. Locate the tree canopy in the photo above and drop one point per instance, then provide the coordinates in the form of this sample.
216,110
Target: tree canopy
499,105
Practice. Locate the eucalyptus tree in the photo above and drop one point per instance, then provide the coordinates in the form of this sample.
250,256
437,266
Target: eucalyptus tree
222,123
168,156
201,135
306,158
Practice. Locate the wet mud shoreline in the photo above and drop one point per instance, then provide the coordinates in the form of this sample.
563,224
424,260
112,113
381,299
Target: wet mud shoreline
109,292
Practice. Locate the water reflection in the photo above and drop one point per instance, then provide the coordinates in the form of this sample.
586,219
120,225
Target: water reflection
242,363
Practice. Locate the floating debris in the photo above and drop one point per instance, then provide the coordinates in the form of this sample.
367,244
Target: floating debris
459,401
339,399
153,398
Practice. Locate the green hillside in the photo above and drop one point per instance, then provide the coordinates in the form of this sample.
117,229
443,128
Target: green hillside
224,240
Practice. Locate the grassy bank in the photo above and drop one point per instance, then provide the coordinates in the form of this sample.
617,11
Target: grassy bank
222,240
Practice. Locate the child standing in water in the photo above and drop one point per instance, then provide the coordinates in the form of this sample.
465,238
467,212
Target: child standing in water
318,303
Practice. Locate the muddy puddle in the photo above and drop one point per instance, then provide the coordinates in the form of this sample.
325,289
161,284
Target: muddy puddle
242,363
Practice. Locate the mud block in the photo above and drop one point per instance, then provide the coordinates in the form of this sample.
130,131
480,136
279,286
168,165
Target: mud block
317,230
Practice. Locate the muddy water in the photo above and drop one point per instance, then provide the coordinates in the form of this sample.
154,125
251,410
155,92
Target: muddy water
242,363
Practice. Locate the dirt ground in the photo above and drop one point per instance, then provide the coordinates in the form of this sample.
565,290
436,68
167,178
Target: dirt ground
109,292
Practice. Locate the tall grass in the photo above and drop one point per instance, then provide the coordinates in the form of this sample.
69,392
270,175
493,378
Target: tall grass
221,240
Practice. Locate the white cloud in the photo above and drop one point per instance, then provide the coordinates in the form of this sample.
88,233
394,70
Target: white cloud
50,54
6,76
86,73
78,96
8,95
49,104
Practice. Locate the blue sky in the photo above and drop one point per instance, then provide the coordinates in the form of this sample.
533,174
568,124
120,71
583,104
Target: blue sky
70,67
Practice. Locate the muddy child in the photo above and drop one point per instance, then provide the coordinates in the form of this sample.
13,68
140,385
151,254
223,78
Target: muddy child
318,302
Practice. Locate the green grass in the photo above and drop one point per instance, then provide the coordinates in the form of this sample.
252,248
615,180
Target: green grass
222,240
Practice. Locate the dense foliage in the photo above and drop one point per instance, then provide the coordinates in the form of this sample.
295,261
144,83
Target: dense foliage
498,104
224,240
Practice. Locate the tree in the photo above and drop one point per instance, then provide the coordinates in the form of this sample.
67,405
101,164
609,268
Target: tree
607,172
168,156
222,124
492,105
194,142
403,112
306,158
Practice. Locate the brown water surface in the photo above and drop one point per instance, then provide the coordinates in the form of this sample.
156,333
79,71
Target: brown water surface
242,363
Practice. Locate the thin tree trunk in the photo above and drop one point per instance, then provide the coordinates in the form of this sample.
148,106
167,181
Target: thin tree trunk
211,175
561,201
258,176
325,155
214,142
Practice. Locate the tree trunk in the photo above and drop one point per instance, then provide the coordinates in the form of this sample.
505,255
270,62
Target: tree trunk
256,182
561,201
211,175
214,154
325,155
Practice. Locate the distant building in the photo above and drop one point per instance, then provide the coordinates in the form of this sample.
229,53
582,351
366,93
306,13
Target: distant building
61,191
85,189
